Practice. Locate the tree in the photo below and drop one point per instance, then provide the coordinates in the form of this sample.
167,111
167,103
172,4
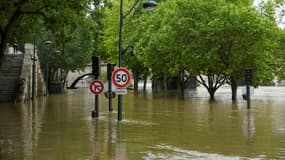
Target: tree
279,57
246,40
13,13
212,39
178,38
73,26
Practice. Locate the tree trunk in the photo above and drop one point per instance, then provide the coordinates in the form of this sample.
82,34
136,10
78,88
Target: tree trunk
154,85
145,82
234,86
3,43
165,88
181,87
212,94
7,30
136,81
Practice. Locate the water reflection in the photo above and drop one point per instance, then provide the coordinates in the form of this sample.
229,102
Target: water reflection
20,129
112,143
153,127
97,145
248,126
31,122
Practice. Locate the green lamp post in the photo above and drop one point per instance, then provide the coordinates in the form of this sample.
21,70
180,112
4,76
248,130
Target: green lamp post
148,6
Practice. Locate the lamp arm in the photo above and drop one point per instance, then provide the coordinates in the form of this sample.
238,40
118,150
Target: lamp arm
133,7
130,46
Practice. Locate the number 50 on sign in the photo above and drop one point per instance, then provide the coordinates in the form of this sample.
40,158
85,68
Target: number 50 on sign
121,77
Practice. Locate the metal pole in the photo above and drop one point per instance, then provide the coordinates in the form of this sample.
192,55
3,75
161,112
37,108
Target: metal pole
110,94
96,105
109,78
46,76
120,99
96,70
248,79
248,95
96,109
34,70
47,43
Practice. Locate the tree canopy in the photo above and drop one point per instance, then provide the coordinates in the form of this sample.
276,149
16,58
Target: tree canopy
216,41
74,27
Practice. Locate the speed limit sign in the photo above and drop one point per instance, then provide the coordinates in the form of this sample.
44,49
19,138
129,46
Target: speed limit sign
121,77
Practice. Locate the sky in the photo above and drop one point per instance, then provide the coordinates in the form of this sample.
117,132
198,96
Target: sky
281,22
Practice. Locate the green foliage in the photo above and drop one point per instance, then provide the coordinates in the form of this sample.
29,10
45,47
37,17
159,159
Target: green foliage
279,56
217,38
19,19
73,26
209,38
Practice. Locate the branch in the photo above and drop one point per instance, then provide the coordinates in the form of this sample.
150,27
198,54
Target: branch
31,12
12,21
20,3
203,82
223,81
37,11
220,80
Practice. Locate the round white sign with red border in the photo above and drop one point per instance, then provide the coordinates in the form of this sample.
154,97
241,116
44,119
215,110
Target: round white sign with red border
96,87
121,77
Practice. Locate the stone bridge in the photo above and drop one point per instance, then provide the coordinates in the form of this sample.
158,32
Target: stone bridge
81,78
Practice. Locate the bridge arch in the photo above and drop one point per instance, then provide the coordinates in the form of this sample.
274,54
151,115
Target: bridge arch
72,86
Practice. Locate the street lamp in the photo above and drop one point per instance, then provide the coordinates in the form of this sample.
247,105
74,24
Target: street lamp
147,5
133,53
48,44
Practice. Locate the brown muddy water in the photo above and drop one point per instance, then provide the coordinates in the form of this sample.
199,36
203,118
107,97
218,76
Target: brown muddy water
154,127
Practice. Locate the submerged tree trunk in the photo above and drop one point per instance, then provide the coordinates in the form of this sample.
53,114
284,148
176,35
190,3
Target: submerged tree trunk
181,87
154,85
213,84
136,81
144,82
165,88
234,86
212,94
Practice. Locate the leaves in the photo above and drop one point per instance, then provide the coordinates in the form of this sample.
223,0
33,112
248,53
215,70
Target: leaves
216,38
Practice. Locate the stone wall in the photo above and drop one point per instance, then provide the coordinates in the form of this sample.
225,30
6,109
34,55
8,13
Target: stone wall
25,89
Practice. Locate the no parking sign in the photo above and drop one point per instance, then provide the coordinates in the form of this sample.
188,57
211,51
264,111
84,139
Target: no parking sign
96,87
121,77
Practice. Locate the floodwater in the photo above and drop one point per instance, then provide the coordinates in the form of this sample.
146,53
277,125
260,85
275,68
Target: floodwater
154,127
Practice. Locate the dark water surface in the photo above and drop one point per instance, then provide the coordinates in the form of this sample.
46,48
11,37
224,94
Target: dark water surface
154,127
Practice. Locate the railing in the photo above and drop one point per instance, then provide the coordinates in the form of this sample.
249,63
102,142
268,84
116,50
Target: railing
26,80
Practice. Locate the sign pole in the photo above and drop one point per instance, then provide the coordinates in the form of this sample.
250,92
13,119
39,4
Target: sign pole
248,96
110,95
110,69
96,87
120,98
248,81
96,105
96,69
121,78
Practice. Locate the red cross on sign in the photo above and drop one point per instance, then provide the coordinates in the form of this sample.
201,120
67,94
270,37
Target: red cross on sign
96,87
